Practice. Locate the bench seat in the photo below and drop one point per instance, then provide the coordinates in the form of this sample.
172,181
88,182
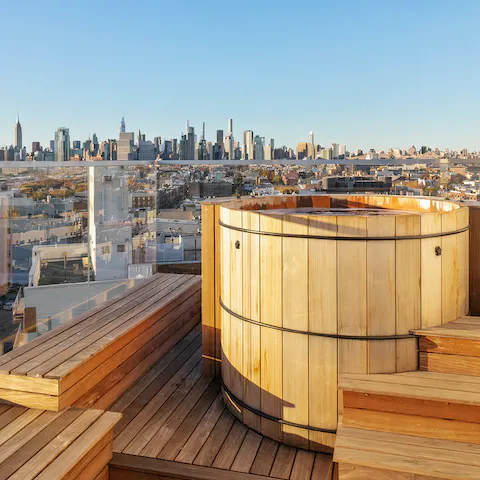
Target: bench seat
59,368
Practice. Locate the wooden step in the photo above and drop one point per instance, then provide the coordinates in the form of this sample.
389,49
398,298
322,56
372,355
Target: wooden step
364,454
428,404
46,445
451,348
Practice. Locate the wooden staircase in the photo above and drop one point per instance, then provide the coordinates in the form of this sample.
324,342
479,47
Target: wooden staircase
416,425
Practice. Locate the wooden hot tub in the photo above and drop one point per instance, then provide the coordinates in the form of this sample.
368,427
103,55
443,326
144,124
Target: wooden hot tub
311,287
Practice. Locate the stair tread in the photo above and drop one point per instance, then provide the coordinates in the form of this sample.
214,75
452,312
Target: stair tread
420,385
406,453
466,328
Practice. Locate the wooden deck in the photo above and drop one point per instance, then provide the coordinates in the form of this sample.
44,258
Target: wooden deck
174,424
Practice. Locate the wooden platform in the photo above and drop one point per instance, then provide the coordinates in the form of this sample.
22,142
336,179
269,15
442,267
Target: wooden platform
451,348
424,404
175,425
73,444
365,454
59,368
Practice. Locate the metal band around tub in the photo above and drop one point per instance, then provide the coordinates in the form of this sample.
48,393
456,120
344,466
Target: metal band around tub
349,239
315,334
237,401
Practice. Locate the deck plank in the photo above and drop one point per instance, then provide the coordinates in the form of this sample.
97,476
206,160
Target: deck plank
149,404
156,413
323,467
232,444
35,465
246,455
182,434
282,466
200,435
265,457
31,448
170,426
32,349
68,360
303,465
212,446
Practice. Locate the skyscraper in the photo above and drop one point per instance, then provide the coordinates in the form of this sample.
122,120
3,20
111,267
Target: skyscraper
220,137
122,126
190,150
18,135
62,145
248,150
35,147
258,152
230,126
125,146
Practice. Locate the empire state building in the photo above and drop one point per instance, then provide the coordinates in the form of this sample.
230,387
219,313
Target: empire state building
18,135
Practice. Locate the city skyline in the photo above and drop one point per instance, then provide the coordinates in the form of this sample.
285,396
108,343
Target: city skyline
239,138
369,74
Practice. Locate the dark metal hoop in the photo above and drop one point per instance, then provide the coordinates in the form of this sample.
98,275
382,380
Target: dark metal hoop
343,239
315,334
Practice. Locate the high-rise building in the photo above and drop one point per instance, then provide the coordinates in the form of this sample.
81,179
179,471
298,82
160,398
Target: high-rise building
248,151
146,151
302,150
52,145
122,126
125,146
18,135
230,126
190,147
36,147
220,137
113,149
258,149
267,152
229,147
62,145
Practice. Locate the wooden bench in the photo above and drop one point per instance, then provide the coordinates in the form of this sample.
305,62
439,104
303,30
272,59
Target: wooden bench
72,444
364,454
77,362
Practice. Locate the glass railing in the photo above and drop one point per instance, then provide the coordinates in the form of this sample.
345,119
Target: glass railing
77,234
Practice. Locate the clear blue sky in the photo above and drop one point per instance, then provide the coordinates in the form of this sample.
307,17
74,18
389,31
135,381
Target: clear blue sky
368,73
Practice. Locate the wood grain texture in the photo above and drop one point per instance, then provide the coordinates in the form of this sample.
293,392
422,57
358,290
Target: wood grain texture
208,288
381,291
407,290
322,315
431,278
271,281
251,309
457,431
456,364
352,295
